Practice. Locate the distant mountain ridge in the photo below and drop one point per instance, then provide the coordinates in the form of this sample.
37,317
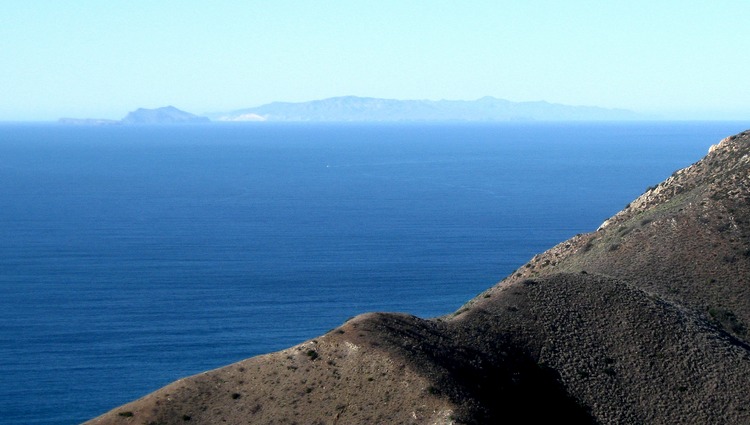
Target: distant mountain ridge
354,108
163,115
370,109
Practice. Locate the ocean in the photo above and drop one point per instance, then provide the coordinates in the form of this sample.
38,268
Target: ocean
131,256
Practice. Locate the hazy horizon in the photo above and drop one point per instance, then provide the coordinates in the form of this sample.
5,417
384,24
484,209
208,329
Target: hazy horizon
707,116
87,59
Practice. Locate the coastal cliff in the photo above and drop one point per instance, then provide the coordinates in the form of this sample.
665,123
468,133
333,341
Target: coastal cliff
642,321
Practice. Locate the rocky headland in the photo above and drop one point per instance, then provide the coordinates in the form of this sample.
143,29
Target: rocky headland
642,321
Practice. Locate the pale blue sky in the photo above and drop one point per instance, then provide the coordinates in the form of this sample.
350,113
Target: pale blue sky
680,59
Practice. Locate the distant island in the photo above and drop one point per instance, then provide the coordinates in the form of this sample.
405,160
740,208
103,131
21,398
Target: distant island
368,109
165,115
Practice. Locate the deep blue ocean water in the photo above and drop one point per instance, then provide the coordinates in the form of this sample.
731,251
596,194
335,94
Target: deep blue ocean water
133,256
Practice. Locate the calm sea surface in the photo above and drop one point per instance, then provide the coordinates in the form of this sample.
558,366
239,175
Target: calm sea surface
133,256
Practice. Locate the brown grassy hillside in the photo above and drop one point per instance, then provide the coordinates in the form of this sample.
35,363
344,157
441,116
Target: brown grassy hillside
642,321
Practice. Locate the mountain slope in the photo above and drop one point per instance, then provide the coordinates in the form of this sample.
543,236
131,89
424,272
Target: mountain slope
641,321
686,239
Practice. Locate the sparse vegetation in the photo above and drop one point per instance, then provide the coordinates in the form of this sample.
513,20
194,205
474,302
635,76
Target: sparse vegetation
461,311
728,320
584,343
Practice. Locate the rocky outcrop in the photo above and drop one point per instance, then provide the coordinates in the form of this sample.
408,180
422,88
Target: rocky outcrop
642,321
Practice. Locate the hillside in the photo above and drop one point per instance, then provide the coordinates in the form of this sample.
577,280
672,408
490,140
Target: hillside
642,321
368,109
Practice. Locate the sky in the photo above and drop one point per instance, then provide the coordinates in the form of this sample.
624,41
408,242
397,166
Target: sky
101,59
